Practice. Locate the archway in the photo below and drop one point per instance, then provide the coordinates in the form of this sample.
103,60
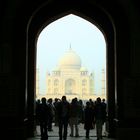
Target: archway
50,12
81,54
69,86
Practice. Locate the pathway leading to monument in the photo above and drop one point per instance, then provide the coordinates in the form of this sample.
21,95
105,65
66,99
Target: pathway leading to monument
53,135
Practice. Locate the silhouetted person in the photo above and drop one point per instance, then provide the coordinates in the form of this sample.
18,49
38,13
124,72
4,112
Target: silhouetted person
51,116
88,118
100,117
74,117
44,113
105,108
91,103
37,111
81,111
56,101
63,117
104,103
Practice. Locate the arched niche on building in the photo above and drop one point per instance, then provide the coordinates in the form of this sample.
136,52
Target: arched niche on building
69,86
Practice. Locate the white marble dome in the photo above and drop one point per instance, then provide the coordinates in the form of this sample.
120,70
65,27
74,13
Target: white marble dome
70,60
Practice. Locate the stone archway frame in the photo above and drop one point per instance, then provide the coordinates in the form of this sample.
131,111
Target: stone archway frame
93,13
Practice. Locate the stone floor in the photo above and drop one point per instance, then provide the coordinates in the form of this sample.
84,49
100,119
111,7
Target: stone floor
71,138
53,135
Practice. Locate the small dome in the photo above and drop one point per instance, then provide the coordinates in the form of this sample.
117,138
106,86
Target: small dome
70,60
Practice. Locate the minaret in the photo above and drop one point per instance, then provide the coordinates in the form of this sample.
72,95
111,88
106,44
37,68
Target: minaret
92,83
103,83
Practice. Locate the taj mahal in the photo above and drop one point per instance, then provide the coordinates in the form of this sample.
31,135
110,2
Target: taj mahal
70,78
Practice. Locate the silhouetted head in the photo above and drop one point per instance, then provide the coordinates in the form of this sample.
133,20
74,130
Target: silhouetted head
43,100
98,100
87,103
56,99
90,100
103,100
50,100
38,101
76,99
80,101
63,98
73,101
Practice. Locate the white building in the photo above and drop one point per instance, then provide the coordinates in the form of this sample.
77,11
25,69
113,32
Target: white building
70,78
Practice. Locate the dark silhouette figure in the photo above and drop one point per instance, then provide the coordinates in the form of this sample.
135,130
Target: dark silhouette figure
81,111
51,116
105,109
37,111
43,119
100,117
63,109
56,101
88,119
104,104
74,117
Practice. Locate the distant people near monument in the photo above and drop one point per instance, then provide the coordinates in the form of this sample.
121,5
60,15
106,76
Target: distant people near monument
63,110
55,103
89,115
44,114
37,111
104,103
74,117
52,114
100,117
81,111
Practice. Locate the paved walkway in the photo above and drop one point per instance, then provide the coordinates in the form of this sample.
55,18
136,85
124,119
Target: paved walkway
53,135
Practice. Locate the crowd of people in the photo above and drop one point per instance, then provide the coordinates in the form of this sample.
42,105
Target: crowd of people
63,113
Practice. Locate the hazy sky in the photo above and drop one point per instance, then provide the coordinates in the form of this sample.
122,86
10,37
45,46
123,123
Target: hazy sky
85,39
